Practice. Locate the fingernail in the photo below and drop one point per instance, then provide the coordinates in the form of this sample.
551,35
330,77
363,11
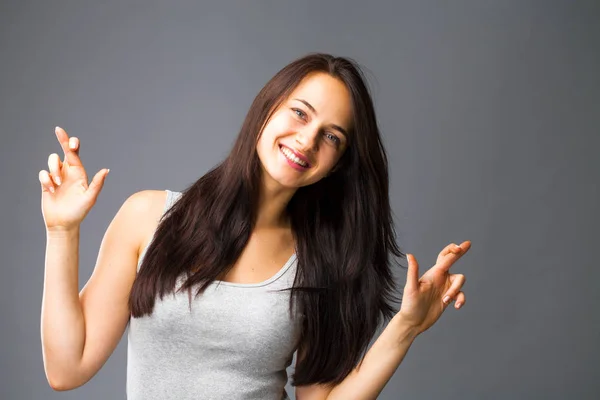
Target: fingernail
72,143
458,246
446,299
56,129
458,305
51,189
57,180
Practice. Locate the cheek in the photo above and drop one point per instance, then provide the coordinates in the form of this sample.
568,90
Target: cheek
269,133
328,157
279,125
267,144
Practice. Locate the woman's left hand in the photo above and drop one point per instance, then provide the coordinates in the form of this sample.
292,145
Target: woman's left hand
425,299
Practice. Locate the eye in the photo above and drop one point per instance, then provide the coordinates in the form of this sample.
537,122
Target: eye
332,138
299,113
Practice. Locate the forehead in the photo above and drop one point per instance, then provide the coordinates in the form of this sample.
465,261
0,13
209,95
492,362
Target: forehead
328,95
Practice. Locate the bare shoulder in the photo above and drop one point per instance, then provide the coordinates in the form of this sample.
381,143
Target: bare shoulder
104,298
144,209
146,202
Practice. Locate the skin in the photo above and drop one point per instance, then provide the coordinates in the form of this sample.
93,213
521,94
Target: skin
312,133
422,305
80,330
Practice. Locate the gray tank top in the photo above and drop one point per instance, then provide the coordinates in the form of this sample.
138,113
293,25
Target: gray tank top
235,343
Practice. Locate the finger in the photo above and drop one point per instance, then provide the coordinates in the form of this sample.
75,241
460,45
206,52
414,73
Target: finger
46,181
63,139
55,166
458,280
71,157
453,248
454,277
451,254
74,144
460,300
412,275
98,182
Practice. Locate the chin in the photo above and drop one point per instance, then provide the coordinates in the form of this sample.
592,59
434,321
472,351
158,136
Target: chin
287,180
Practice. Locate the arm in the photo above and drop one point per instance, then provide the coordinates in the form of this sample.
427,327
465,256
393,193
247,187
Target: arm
423,302
79,331
368,379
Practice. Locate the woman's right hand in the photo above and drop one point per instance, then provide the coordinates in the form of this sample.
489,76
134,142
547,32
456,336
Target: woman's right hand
66,196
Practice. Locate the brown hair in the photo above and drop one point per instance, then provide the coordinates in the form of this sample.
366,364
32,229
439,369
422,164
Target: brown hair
342,226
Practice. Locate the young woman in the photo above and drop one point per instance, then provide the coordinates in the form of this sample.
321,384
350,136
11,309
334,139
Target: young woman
285,246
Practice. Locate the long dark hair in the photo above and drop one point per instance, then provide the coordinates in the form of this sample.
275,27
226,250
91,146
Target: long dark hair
342,225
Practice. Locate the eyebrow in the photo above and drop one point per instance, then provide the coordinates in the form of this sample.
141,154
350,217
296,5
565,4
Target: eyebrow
337,127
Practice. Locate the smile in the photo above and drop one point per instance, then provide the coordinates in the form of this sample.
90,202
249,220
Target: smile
293,160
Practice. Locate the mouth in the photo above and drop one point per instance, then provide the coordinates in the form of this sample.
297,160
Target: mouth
295,160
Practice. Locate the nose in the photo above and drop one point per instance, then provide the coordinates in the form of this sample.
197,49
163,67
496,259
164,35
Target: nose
307,139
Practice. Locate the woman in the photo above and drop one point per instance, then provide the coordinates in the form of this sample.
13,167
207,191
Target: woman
284,246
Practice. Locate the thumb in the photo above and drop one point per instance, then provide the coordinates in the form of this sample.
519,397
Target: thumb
98,182
412,275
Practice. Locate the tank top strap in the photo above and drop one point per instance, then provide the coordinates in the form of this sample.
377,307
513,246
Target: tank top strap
172,198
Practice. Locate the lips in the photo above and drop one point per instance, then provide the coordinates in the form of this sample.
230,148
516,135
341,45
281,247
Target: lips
299,155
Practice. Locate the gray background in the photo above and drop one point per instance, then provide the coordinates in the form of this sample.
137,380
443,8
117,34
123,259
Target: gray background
490,113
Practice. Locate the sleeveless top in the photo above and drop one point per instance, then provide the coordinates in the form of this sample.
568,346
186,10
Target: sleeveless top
235,343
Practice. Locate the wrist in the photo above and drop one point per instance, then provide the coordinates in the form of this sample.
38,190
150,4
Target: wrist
61,233
405,330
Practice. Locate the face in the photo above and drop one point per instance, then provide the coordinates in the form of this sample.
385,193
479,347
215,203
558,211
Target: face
306,136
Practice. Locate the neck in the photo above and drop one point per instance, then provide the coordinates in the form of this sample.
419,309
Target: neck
272,202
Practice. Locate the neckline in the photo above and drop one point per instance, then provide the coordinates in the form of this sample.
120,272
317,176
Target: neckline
279,273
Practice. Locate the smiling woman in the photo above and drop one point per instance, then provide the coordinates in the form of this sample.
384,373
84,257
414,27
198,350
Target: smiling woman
284,246
306,132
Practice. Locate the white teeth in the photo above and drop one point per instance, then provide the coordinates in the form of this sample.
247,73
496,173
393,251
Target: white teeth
292,157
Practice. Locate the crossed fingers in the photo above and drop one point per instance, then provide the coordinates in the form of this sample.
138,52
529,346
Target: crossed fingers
447,257
52,178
